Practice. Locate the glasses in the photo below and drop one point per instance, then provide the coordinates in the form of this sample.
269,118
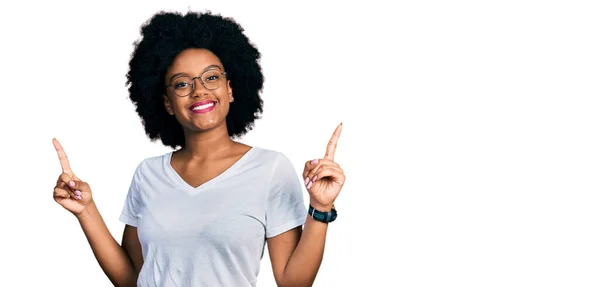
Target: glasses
184,86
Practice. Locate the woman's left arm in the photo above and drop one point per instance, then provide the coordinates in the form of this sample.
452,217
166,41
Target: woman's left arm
296,255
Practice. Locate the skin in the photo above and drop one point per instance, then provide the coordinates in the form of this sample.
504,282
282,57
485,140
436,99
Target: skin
295,255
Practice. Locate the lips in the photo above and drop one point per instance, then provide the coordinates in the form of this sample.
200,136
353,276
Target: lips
203,106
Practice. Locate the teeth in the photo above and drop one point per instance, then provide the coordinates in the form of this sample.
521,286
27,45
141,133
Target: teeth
203,106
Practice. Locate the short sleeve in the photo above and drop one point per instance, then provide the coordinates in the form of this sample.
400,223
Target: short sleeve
285,208
131,208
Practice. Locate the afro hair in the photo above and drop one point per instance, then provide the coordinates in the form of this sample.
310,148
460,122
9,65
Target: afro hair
167,34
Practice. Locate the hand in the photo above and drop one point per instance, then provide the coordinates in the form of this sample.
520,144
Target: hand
323,177
70,192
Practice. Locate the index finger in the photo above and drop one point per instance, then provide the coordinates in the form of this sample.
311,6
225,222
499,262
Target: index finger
62,157
333,142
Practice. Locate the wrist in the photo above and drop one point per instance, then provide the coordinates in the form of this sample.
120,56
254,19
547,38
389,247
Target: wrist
322,207
87,212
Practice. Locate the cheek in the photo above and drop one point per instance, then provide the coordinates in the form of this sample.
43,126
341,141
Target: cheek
225,107
181,113
179,107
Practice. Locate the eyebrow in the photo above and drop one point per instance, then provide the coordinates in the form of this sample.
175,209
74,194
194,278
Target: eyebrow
211,67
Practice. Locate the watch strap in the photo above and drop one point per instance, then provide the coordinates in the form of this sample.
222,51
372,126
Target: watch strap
322,216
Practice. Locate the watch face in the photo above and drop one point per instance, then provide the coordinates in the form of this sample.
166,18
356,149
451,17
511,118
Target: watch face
323,216
319,216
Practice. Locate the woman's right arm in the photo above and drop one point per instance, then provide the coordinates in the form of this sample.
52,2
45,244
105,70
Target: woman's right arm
121,264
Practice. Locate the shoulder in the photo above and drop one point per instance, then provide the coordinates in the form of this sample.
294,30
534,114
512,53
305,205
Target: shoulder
269,156
278,165
153,163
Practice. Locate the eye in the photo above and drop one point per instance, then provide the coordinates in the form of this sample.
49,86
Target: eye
180,85
212,78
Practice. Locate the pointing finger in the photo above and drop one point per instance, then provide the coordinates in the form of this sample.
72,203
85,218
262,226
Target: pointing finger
62,157
333,142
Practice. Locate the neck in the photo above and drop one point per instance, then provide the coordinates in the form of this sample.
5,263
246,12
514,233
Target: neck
200,145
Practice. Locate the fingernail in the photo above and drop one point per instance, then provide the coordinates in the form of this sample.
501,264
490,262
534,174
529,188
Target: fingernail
314,161
78,196
306,180
71,183
78,192
314,178
309,185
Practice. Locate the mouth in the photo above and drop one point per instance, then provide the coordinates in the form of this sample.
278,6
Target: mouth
203,107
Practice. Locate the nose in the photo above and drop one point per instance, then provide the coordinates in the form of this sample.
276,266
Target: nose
199,88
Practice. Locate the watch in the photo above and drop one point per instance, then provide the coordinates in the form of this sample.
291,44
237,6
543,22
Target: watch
321,216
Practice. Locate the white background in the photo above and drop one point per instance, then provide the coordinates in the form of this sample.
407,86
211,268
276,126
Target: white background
471,137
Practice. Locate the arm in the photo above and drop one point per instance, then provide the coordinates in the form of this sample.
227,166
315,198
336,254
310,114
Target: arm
121,264
296,255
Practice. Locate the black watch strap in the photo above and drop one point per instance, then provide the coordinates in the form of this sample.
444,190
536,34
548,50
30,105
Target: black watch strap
322,216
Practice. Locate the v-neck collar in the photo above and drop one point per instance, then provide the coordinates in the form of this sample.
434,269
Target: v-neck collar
172,173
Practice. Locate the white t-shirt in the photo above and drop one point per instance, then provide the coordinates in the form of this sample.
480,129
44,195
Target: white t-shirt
215,234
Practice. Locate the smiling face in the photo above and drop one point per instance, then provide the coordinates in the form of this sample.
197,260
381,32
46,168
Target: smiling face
197,108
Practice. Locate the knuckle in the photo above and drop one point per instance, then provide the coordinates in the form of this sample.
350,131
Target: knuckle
58,191
65,177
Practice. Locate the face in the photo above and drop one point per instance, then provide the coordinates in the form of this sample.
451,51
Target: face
204,108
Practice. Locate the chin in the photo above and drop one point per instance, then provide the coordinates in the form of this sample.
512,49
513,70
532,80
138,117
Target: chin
207,124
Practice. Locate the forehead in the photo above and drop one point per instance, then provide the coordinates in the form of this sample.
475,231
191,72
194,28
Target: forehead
193,61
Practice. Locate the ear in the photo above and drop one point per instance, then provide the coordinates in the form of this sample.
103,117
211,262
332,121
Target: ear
168,105
229,91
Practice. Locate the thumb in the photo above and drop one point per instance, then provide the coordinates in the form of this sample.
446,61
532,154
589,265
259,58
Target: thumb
78,184
79,187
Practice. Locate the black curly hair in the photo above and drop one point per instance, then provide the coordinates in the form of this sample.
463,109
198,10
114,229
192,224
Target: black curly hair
167,34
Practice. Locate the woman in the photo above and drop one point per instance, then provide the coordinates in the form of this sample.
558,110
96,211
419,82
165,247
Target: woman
201,215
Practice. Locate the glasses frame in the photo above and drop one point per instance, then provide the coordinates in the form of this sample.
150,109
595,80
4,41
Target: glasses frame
170,85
